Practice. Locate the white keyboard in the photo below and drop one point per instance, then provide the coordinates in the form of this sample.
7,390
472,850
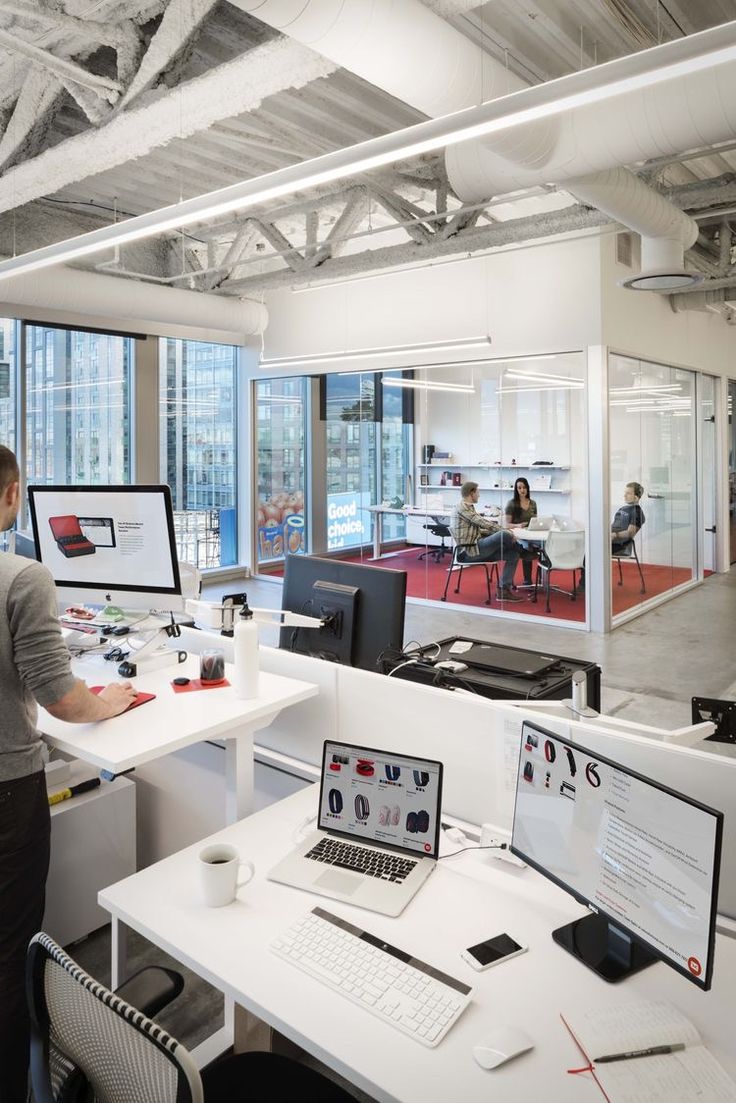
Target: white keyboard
403,991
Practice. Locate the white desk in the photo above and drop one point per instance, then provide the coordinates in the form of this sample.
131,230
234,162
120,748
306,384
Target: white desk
176,720
228,947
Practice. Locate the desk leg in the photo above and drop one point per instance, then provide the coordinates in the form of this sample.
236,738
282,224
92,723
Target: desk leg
118,953
377,534
238,777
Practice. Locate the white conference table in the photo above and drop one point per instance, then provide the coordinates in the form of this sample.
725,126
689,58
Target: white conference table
468,898
176,720
440,514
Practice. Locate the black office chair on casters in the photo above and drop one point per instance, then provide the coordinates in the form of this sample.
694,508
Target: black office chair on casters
627,550
491,570
437,528
88,1044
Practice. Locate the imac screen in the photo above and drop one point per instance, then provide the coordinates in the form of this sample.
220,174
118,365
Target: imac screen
107,538
644,859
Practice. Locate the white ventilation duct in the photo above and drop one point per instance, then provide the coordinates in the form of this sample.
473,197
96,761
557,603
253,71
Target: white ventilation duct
145,307
404,48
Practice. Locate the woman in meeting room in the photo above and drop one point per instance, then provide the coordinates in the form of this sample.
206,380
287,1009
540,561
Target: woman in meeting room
519,511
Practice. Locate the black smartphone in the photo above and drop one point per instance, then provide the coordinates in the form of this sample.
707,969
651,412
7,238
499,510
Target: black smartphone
494,950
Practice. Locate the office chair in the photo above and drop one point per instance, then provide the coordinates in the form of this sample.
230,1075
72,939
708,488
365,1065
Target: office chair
463,564
627,550
86,1038
441,529
563,551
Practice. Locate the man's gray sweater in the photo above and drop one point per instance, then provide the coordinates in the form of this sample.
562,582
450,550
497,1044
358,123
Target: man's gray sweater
34,661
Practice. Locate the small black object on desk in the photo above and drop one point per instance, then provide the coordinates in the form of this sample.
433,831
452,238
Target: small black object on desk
182,681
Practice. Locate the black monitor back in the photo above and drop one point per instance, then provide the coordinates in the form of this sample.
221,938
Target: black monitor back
379,614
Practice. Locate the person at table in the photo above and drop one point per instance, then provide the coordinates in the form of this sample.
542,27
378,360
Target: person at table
34,667
626,522
519,511
480,540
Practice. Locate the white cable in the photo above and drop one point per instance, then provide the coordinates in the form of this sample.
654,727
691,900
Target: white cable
409,662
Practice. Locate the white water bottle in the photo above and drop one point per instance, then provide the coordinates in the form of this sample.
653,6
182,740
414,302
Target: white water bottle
245,655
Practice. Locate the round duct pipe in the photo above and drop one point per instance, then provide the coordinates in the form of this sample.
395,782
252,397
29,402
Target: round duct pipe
145,307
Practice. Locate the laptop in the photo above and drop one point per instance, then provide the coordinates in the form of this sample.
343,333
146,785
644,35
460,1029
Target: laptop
378,829
504,660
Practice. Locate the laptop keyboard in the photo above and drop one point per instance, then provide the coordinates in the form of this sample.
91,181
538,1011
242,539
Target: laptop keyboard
405,992
383,864
75,538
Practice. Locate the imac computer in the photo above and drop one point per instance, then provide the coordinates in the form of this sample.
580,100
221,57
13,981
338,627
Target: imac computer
364,608
644,859
108,545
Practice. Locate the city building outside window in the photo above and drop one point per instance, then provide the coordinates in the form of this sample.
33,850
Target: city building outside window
198,447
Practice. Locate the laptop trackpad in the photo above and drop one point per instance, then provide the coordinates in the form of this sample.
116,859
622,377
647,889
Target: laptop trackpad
338,882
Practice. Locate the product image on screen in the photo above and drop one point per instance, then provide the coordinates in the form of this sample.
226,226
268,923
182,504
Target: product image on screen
386,797
644,859
107,539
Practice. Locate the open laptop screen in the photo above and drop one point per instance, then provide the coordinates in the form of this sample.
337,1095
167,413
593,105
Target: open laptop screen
381,797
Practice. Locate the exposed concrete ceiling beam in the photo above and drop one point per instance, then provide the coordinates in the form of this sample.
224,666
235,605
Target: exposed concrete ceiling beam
244,238
236,87
280,243
404,212
60,67
37,97
180,22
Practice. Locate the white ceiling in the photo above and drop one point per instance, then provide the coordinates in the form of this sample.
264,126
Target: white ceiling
112,108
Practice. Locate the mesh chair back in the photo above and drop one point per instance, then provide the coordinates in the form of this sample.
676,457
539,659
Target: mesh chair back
77,1023
565,550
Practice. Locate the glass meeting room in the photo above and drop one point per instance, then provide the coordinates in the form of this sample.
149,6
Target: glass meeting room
370,466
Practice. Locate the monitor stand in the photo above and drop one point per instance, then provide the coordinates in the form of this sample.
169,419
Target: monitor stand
603,947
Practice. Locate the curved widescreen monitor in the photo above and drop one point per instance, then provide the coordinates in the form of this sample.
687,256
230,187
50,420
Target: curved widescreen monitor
644,859
364,605
108,545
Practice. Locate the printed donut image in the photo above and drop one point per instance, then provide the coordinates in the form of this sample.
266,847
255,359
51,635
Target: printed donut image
362,808
334,799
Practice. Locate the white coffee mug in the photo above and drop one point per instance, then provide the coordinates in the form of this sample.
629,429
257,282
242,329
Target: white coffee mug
218,874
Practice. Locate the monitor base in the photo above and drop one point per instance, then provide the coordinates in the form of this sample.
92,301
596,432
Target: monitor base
603,947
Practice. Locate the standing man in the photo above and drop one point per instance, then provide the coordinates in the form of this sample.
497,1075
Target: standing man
34,668
480,540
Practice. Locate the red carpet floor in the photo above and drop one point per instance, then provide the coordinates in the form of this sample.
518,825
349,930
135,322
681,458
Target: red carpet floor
426,579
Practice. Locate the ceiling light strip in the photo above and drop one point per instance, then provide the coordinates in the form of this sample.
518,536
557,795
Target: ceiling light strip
670,61
379,350
421,385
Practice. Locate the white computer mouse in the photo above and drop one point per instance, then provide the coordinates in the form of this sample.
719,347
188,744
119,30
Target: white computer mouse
500,1044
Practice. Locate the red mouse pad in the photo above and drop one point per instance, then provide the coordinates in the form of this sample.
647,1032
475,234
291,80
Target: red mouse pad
140,698
197,683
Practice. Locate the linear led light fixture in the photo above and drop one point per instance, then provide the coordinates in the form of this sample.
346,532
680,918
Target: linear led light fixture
541,387
671,61
421,385
532,377
381,350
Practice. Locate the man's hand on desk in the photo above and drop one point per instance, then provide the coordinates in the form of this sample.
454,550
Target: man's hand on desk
81,706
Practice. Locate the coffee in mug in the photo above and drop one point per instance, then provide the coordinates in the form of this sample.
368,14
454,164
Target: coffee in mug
219,864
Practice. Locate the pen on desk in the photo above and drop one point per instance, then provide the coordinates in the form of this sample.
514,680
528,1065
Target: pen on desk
73,790
653,1051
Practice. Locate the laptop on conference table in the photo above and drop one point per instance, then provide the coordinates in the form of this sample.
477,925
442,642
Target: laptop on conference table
378,829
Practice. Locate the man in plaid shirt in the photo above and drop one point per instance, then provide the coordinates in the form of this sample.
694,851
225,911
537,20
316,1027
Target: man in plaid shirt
480,540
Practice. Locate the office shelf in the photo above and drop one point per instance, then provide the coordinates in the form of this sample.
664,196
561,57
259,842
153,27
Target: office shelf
496,466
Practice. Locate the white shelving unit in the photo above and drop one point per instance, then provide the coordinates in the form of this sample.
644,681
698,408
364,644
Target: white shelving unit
549,500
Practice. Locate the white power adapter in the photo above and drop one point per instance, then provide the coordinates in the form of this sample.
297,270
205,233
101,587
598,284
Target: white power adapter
496,836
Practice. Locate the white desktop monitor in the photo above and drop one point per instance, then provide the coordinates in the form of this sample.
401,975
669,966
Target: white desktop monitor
644,859
108,545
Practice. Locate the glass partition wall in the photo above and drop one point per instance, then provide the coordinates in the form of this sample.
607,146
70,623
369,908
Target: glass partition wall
398,447
652,435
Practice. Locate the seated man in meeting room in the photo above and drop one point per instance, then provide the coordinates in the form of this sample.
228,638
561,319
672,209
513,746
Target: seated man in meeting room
626,522
480,540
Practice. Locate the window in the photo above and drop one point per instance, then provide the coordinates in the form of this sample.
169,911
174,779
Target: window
198,443
78,402
280,440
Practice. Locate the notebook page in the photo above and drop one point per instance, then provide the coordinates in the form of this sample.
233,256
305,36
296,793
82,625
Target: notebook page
619,1028
689,1076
